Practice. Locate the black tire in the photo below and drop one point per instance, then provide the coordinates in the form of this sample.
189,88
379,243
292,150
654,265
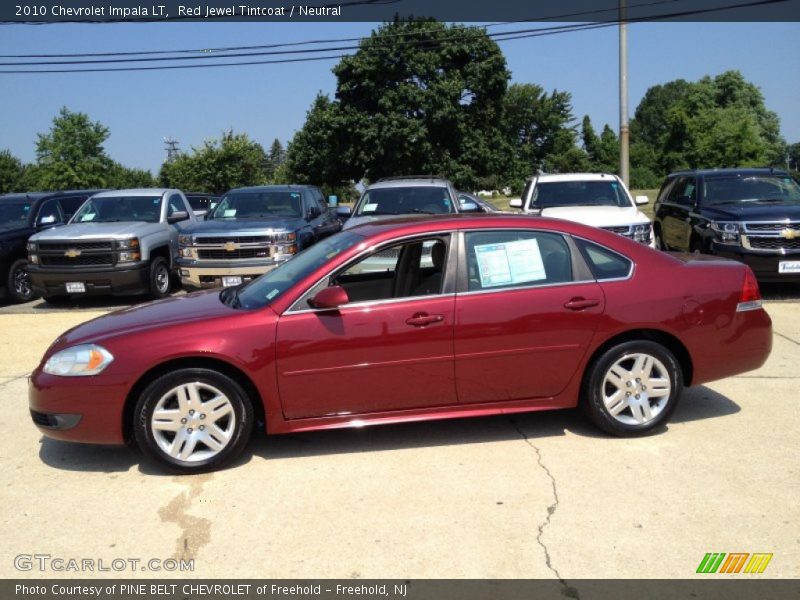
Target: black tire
595,388
242,410
160,280
19,282
659,239
695,246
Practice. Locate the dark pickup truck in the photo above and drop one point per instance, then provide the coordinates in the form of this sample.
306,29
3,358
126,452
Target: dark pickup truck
21,216
750,215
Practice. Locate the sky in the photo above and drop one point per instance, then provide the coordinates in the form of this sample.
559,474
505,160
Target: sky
270,101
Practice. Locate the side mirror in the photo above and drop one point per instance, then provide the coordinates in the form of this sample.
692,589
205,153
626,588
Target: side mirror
515,203
330,297
333,201
640,200
468,206
47,220
178,216
343,212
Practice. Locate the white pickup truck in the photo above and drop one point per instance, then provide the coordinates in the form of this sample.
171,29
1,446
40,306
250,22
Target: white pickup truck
597,199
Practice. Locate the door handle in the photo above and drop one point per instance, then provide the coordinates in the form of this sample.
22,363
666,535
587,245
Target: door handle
581,303
422,319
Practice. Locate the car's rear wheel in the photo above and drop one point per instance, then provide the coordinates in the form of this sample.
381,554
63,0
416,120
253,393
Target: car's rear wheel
160,280
632,388
19,282
193,420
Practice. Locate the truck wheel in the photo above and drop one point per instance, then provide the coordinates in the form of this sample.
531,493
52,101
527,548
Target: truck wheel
159,277
19,282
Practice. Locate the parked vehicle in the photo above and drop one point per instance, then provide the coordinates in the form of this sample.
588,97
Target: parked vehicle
408,195
466,200
251,231
22,215
597,199
751,215
513,314
121,242
201,202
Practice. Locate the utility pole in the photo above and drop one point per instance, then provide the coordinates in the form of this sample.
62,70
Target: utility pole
624,159
171,148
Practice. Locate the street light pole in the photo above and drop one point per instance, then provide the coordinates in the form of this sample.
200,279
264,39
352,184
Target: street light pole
624,161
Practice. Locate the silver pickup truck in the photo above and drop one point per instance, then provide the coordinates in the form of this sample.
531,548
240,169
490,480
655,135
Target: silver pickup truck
123,242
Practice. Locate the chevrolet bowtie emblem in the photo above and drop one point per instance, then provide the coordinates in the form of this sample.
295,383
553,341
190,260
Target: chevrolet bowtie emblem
72,253
790,234
230,246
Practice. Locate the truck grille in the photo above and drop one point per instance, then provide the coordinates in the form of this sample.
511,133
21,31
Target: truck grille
77,254
778,227
772,237
64,246
255,239
774,243
94,260
217,254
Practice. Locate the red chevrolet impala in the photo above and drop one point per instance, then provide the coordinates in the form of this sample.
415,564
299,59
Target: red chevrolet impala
408,320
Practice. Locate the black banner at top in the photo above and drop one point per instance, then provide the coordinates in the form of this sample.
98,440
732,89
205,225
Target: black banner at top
98,11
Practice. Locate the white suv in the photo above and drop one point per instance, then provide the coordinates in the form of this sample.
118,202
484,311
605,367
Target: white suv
596,199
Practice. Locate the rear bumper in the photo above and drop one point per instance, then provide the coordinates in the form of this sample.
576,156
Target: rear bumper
116,282
763,264
208,274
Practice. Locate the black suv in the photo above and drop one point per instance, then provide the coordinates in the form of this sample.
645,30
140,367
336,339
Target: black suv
22,215
751,215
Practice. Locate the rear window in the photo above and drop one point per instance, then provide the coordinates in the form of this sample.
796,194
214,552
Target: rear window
405,200
604,263
735,190
579,193
255,205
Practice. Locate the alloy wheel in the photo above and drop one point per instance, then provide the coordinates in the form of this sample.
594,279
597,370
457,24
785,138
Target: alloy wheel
162,280
22,283
636,388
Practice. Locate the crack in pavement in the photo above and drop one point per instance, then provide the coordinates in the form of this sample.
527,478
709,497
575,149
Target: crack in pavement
786,337
568,590
13,379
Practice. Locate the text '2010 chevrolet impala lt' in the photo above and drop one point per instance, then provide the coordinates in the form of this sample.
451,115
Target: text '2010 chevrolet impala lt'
405,320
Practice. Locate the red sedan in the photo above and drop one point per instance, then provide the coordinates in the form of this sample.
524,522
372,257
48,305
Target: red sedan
408,320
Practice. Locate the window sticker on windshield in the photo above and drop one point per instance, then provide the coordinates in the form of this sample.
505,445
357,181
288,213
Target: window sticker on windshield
272,294
510,263
156,200
89,217
229,212
446,202
369,208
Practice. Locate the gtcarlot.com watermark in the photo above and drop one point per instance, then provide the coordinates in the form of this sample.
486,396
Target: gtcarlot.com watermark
64,564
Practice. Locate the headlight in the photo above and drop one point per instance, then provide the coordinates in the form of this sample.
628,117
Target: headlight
31,246
185,240
123,257
86,359
641,233
725,232
33,259
284,236
186,252
132,243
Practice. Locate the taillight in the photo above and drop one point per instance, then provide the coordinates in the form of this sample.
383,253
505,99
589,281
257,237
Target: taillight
750,296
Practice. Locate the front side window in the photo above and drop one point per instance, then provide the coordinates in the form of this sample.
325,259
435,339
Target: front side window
771,189
553,194
110,209
176,205
604,263
683,192
403,200
258,205
14,215
507,259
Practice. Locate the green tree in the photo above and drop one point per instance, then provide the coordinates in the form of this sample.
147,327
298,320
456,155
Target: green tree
71,154
313,156
603,151
793,155
275,157
11,171
121,177
232,161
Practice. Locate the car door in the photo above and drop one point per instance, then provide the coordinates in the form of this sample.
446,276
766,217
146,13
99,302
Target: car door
326,223
677,226
526,311
390,348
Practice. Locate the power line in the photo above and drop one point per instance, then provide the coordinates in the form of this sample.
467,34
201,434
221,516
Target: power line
497,36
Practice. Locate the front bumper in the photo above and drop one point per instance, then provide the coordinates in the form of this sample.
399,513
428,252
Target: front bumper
208,274
763,264
125,281
78,409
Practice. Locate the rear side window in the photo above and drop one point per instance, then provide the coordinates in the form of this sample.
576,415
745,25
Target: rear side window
604,263
508,259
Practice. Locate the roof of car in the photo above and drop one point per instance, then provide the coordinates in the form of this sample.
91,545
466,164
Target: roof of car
136,192
272,188
745,171
33,196
409,181
575,177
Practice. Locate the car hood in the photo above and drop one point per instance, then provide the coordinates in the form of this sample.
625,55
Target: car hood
752,211
161,313
247,225
597,216
90,231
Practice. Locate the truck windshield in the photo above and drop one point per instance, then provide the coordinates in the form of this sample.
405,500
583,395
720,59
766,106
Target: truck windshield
255,205
14,215
579,193
109,209
733,190
273,284
405,200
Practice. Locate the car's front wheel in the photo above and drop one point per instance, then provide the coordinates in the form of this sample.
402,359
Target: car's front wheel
193,420
632,388
19,282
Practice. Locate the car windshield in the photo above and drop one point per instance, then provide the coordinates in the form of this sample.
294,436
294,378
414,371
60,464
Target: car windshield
109,209
14,215
579,193
405,200
270,286
255,205
761,188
